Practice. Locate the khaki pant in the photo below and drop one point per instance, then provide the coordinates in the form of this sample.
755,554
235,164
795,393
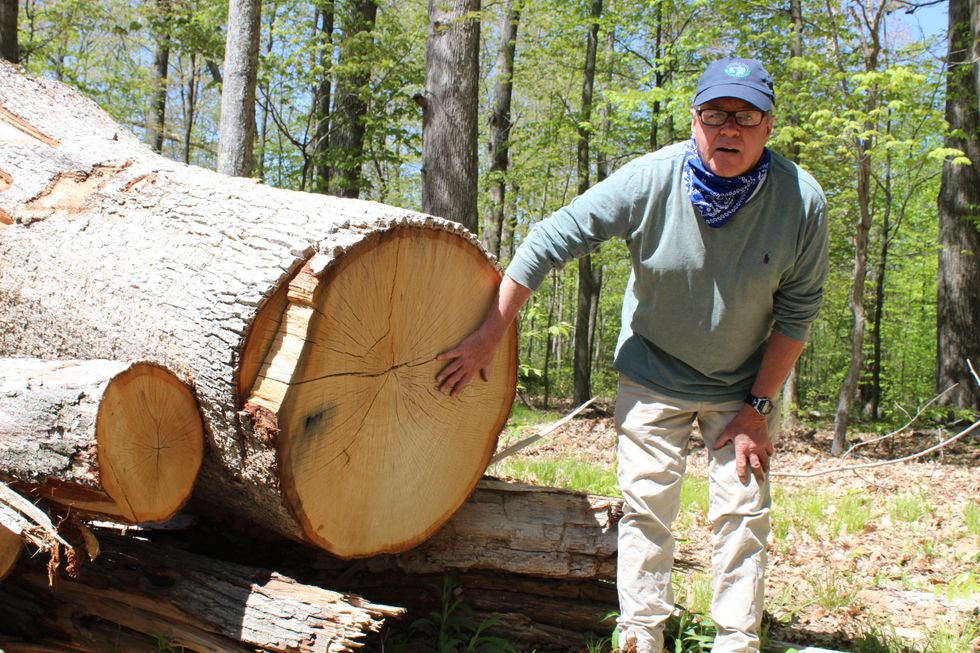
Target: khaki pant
654,432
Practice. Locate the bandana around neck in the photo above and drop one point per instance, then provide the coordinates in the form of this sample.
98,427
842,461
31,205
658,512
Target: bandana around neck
719,198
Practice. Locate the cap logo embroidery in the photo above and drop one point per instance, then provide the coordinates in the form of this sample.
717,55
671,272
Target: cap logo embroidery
737,70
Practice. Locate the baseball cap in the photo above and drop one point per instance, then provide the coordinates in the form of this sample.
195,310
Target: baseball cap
744,79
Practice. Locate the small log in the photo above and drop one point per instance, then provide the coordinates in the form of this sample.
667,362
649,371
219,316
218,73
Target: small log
111,438
204,604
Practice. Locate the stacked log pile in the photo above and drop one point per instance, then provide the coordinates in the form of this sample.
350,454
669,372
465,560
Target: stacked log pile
165,329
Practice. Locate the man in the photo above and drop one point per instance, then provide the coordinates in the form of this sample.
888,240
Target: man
729,249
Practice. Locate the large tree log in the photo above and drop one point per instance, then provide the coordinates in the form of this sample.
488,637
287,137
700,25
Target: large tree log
193,601
118,439
114,252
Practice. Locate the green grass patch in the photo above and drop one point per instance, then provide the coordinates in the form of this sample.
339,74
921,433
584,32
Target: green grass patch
693,591
833,590
909,507
853,511
803,510
565,472
971,515
953,638
694,494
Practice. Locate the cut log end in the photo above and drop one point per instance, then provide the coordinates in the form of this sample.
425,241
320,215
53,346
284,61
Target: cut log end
373,458
10,548
150,441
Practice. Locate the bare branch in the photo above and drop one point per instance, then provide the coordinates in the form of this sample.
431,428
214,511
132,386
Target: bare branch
905,426
882,463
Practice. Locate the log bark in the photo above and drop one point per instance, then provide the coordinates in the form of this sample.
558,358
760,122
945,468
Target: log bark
114,252
119,439
192,601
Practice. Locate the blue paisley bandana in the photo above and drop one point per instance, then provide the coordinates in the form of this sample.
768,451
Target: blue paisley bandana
719,198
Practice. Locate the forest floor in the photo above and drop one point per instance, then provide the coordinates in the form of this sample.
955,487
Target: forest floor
909,579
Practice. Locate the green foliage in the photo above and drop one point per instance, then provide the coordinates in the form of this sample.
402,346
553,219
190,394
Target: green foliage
837,109
455,627
689,633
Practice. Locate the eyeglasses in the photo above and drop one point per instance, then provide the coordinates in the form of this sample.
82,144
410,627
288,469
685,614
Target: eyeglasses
743,118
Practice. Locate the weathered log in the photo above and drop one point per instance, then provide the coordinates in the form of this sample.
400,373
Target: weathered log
105,437
114,252
523,529
199,603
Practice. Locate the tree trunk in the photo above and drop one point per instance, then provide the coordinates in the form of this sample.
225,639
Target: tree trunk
191,109
8,30
237,124
449,112
499,146
588,279
104,437
355,450
353,88
872,21
157,115
199,603
321,144
958,310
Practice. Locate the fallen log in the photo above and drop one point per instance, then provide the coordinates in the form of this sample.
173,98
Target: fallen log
191,601
308,325
119,439
521,529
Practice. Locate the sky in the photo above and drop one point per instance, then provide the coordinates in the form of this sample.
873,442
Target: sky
927,21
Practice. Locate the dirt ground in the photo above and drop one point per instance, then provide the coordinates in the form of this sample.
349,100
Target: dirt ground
916,582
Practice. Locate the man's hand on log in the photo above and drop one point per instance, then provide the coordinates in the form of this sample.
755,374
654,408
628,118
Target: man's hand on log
470,356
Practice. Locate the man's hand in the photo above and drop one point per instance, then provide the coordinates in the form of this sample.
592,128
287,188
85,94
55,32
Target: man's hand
475,352
750,433
470,356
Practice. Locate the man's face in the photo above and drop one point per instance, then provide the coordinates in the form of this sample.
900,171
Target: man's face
730,150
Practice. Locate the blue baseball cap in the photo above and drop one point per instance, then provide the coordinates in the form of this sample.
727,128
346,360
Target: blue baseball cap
744,79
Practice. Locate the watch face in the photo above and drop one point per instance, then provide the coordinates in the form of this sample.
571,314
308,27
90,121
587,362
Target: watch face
764,406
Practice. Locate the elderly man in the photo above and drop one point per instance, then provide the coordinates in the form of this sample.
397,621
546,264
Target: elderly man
728,243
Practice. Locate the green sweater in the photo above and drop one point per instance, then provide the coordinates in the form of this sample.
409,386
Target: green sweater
701,302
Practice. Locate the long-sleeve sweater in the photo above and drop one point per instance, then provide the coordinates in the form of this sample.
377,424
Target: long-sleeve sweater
701,301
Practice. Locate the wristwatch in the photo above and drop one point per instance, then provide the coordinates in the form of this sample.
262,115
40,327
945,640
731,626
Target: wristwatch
762,405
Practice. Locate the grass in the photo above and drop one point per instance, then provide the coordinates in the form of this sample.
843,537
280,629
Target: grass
833,590
565,472
909,507
971,517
